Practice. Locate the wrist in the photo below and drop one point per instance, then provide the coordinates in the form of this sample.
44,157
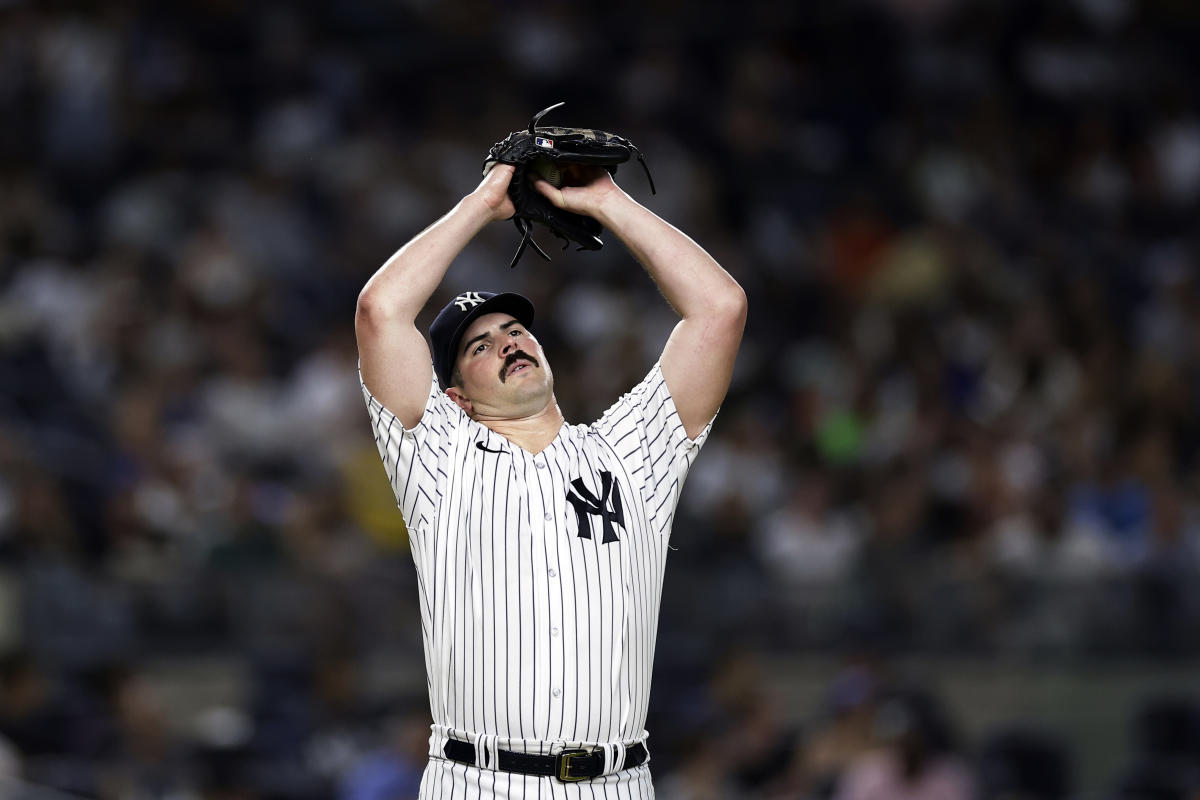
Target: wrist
477,209
612,206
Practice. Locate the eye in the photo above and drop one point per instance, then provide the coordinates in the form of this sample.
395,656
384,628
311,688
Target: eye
515,332
479,348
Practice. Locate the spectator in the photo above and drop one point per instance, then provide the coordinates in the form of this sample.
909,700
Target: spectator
915,758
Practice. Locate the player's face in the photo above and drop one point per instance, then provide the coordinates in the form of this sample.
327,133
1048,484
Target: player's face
504,370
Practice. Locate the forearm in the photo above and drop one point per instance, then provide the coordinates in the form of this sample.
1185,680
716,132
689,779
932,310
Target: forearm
403,285
690,279
697,361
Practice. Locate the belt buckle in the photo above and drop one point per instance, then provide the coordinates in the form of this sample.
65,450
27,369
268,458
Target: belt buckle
562,766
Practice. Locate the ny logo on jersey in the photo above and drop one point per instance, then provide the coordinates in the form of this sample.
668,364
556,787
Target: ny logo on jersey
586,504
467,300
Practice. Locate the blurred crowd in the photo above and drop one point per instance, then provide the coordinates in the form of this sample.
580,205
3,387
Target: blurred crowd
962,421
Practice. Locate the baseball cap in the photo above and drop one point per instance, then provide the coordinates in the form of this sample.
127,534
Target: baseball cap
452,321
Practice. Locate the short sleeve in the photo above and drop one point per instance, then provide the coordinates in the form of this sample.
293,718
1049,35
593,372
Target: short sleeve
644,428
414,458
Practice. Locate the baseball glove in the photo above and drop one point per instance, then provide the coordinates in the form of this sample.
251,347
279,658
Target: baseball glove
544,152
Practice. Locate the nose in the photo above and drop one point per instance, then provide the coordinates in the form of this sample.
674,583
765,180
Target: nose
509,346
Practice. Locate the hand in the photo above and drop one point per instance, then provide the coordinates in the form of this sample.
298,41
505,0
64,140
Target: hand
493,191
585,189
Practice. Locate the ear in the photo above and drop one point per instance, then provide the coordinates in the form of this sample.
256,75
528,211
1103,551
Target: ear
460,399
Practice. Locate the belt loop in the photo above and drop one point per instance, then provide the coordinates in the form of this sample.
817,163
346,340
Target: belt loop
482,751
618,756
438,736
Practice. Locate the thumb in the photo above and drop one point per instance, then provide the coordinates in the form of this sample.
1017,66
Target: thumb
550,192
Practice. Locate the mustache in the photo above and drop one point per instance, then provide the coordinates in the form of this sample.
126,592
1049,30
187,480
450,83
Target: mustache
514,357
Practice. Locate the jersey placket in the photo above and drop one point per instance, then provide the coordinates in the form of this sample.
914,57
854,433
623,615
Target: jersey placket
548,676
549,530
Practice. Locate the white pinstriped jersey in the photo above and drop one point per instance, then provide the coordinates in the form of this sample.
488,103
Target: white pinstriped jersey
539,575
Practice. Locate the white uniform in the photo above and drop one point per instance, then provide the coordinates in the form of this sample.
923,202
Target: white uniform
540,579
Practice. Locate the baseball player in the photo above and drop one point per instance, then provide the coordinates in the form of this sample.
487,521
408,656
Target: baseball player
539,545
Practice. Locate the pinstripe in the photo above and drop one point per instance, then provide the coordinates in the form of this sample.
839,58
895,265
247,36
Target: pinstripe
495,654
636,543
596,665
508,625
533,635
490,614
575,610
520,676
474,640
404,492
556,467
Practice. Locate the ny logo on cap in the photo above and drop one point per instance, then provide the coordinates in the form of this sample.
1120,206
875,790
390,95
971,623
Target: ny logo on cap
467,300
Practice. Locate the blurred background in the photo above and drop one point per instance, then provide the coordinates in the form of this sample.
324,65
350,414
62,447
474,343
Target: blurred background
942,542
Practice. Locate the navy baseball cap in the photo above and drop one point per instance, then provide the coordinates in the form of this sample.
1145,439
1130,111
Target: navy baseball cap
452,322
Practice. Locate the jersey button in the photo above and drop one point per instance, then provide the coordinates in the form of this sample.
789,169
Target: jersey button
554,631
557,692
540,464
553,574
549,516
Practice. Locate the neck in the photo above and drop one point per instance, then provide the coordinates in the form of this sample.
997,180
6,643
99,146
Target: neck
533,433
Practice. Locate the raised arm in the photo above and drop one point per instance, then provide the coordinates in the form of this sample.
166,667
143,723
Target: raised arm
697,362
395,360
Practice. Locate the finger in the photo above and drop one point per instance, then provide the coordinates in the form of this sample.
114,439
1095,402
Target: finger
501,172
549,191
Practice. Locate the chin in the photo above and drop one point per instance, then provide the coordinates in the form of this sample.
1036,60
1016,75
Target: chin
531,392
532,395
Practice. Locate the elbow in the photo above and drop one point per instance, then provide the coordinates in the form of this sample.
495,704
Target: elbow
723,310
732,306
372,312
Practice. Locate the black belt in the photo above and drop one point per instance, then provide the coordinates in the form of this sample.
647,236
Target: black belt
568,766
